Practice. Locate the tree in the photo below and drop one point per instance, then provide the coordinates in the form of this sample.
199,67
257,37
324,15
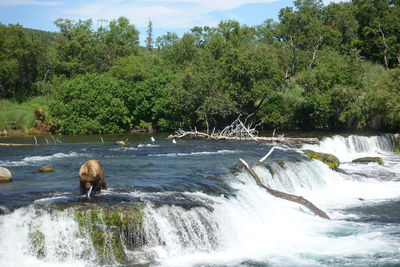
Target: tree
80,49
332,89
74,45
384,99
304,32
149,38
22,58
166,40
342,18
379,30
119,39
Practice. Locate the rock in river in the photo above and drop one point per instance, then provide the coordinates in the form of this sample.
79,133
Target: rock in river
329,159
378,160
45,169
5,175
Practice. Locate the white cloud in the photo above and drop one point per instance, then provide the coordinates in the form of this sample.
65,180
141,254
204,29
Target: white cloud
163,13
28,2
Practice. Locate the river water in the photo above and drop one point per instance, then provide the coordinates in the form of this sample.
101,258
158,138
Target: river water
198,206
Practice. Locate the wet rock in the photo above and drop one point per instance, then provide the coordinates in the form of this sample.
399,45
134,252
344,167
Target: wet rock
282,164
331,160
37,242
5,175
113,230
396,145
45,169
378,160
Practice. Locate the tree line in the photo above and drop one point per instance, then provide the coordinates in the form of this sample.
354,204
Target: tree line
333,67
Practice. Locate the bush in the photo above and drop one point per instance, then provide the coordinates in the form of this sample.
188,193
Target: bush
385,99
91,104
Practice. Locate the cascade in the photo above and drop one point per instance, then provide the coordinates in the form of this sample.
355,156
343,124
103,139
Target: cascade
245,226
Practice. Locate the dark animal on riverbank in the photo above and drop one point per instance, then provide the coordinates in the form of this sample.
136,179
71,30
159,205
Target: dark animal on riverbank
40,114
91,176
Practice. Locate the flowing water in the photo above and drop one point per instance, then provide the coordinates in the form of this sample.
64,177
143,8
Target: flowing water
192,204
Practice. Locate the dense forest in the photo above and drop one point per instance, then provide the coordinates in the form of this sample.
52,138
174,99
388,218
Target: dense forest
333,67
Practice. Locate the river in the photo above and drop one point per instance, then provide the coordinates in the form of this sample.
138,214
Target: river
192,204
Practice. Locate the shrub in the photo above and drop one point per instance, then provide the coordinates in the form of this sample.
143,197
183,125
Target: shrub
90,104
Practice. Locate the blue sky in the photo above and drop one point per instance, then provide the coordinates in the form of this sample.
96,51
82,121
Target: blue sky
167,15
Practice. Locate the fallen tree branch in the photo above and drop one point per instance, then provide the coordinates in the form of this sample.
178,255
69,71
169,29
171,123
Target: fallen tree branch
239,130
269,153
298,199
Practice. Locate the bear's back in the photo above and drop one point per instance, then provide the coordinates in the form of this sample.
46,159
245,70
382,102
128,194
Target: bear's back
91,168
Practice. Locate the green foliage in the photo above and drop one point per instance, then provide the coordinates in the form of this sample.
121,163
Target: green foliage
20,116
341,17
149,38
90,104
385,99
318,67
80,49
21,56
379,30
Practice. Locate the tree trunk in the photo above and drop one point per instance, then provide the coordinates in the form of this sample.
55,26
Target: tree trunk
298,199
386,47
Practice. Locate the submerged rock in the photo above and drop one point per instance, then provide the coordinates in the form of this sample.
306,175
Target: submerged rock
331,160
378,160
113,230
45,169
5,175
282,164
396,145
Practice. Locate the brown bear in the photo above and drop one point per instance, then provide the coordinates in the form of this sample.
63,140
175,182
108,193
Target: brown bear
91,176
40,114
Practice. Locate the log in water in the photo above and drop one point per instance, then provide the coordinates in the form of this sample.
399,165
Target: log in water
298,199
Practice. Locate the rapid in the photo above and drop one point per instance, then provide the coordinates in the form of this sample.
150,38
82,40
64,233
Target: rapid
192,204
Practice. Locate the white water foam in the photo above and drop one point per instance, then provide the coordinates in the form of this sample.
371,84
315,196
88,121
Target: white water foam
349,148
31,160
124,148
250,226
258,227
61,242
147,145
196,153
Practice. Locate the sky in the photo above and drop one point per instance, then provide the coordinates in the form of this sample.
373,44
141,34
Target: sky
177,16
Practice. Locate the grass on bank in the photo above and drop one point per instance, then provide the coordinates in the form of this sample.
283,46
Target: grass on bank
19,118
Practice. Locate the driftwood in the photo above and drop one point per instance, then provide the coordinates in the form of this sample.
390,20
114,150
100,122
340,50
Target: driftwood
298,199
238,130
4,144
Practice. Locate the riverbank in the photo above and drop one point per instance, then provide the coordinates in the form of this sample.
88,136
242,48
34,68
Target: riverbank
18,119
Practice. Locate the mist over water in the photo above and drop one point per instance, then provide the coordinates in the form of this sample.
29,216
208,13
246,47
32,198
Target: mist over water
200,208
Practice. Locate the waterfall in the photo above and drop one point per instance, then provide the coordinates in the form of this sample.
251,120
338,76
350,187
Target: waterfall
256,224
246,225
35,237
354,146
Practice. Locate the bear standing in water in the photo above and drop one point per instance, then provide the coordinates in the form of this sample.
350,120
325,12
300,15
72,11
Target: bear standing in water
91,176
